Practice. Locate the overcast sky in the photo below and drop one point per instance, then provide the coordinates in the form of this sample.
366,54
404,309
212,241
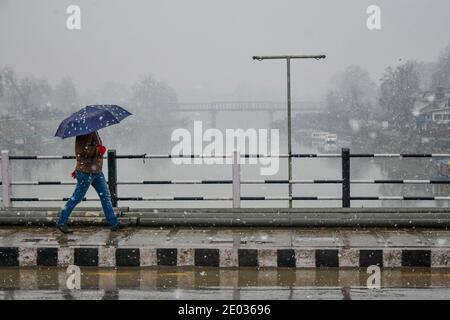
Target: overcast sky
203,48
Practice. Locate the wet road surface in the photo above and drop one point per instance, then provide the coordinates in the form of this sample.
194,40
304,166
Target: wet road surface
212,283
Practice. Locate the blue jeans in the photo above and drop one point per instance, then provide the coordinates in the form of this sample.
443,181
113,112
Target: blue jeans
84,181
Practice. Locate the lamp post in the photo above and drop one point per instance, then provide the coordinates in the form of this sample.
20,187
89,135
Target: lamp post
288,70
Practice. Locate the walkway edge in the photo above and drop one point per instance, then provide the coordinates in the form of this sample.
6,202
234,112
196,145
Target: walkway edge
110,256
326,217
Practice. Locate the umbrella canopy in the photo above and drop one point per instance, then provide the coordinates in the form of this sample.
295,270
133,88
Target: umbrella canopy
90,119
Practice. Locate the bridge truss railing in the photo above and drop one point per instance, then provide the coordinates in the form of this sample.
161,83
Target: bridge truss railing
236,197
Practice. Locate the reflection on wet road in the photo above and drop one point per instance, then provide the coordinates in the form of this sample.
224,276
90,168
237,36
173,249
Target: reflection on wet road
210,283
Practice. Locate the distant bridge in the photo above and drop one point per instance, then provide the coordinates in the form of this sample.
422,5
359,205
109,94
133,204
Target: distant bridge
298,106
214,107
302,107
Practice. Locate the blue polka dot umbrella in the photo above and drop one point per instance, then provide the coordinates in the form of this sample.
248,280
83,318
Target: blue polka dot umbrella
90,119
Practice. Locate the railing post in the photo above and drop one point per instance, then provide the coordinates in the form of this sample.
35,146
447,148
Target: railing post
345,178
112,176
236,179
6,179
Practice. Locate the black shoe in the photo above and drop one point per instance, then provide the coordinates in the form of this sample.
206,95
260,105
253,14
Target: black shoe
64,228
117,227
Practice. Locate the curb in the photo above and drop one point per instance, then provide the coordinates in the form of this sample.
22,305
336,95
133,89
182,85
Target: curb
108,256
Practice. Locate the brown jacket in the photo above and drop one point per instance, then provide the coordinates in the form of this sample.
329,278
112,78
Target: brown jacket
88,158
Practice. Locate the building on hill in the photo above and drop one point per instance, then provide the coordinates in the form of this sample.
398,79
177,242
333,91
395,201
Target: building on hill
432,112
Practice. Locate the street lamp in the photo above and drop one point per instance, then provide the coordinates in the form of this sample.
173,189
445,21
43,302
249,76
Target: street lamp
288,68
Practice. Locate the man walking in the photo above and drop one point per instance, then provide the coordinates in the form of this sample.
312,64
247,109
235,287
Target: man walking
89,152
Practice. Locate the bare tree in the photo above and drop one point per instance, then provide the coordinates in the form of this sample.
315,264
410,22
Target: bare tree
153,97
397,91
441,75
24,96
351,95
65,95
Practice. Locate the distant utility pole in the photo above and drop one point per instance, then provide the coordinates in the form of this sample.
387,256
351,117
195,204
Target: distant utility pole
288,68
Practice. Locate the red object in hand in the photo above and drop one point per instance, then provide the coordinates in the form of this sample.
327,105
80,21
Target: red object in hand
101,149
74,174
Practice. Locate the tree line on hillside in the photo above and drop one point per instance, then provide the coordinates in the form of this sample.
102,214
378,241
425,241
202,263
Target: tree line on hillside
27,104
32,97
354,96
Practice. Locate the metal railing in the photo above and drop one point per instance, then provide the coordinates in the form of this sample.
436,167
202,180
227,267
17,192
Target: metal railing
236,181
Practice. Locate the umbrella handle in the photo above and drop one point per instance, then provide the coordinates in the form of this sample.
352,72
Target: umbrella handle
98,137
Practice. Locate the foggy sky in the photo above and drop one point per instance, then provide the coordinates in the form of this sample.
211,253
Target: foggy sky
203,48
